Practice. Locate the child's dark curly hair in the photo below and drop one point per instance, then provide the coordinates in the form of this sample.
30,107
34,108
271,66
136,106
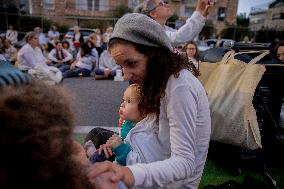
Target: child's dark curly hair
36,139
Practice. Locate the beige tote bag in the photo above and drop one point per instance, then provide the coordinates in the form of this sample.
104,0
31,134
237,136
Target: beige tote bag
230,85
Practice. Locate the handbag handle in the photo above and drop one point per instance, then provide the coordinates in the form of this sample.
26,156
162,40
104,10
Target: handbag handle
257,58
230,54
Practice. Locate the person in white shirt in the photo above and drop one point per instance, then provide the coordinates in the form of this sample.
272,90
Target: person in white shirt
53,34
30,55
83,65
169,149
41,36
106,67
31,60
160,11
78,40
106,36
192,53
12,35
59,56
10,51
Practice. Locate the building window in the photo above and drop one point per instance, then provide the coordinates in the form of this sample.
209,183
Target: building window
48,4
221,14
278,16
91,5
97,5
81,4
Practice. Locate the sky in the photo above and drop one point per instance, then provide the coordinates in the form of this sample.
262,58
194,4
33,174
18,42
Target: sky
245,5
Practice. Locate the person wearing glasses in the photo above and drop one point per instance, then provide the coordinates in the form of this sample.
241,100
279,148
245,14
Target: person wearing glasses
192,53
32,60
160,11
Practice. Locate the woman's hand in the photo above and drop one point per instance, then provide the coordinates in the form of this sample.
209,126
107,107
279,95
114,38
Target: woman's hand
204,6
103,181
121,173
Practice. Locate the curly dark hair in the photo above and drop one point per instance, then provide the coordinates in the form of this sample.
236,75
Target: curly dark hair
162,64
36,139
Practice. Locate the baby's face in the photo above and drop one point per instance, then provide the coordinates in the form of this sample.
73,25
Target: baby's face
129,107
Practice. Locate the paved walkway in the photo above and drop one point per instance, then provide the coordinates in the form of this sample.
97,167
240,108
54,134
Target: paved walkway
95,102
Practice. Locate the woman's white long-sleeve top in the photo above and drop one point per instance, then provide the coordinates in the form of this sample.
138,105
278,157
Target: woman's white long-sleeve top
172,154
29,57
188,31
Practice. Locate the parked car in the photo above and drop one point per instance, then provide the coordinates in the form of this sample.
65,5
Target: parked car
212,42
202,46
85,31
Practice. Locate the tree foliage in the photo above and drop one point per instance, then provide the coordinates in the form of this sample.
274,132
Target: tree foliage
119,11
268,35
237,32
275,3
207,30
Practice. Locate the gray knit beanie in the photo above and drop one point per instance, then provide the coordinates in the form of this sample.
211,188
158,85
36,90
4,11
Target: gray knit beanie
140,29
145,7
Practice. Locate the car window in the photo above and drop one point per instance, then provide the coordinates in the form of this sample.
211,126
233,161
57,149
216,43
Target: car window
201,43
86,33
70,33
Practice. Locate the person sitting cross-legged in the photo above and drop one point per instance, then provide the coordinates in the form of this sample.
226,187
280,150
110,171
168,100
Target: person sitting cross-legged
83,65
59,56
106,67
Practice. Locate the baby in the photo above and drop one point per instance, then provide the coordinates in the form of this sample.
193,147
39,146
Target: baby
128,111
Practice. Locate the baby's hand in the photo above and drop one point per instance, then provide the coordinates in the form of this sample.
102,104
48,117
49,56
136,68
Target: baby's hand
114,141
105,148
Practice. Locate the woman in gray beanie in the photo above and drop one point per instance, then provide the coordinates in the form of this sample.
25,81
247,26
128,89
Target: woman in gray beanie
160,11
169,149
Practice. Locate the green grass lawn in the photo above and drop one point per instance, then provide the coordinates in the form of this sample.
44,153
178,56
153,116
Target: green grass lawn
215,174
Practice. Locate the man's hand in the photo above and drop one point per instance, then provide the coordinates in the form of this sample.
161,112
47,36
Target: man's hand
204,6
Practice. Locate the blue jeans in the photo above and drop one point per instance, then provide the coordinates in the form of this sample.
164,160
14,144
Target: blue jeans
99,71
76,72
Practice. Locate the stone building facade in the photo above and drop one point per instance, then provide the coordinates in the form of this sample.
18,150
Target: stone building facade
223,14
70,12
271,18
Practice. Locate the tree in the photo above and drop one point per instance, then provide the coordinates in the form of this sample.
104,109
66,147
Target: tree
207,30
275,3
119,11
237,32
